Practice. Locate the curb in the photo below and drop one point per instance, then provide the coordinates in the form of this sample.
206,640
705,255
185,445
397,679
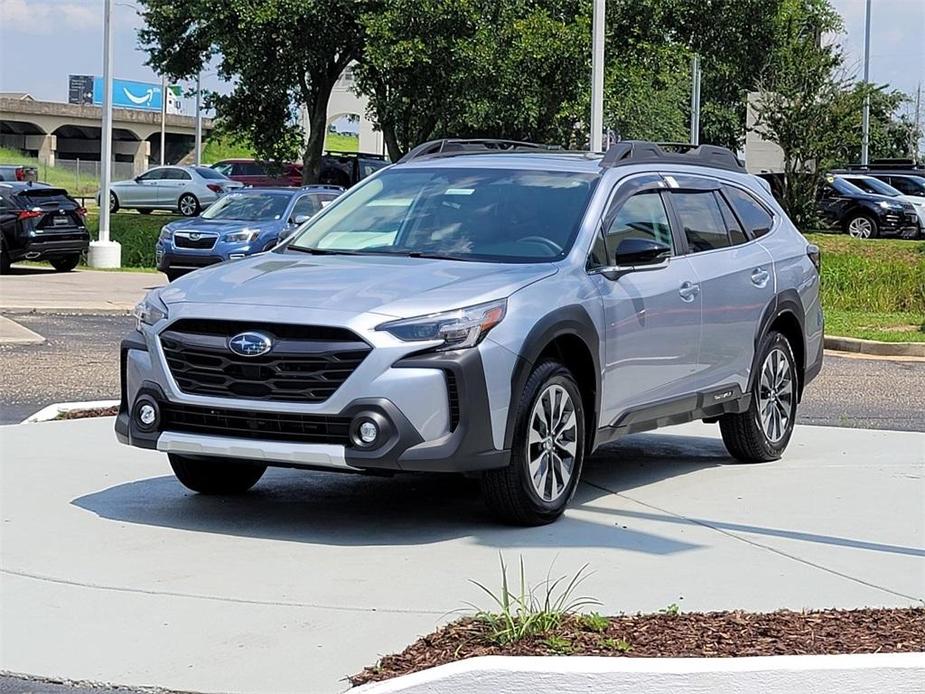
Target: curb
54,410
880,349
897,673
109,310
12,333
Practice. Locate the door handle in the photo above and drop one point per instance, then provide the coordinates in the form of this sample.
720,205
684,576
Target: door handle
760,277
688,291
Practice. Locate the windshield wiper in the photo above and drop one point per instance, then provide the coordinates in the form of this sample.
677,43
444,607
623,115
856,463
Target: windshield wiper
320,251
434,256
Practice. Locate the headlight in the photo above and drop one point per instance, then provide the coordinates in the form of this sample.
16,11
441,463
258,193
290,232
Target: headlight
465,327
166,233
889,205
149,311
245,235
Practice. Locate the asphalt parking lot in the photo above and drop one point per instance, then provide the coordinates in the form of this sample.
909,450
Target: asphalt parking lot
80,362
112,572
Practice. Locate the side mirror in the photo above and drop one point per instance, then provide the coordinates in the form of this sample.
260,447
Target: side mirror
634,255
301,219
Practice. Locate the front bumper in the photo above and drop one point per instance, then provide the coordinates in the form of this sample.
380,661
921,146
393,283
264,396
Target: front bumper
250,431
185,261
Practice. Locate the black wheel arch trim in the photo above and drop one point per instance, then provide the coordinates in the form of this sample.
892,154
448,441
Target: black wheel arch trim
786,302
572,320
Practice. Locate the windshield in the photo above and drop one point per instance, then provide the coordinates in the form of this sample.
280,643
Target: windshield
463,214
252,206
845,188
873,185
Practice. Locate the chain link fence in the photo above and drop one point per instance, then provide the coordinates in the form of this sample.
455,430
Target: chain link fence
81,177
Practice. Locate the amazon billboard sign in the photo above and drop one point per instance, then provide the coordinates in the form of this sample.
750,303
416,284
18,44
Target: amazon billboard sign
145,96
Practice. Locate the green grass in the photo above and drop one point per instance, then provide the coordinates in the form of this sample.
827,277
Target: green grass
222,147
53,175
885,327
336,142
136,232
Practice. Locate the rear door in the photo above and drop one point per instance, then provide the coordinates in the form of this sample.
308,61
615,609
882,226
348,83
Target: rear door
735,275
172,185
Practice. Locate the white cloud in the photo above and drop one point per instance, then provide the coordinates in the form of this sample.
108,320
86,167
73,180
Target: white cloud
49,16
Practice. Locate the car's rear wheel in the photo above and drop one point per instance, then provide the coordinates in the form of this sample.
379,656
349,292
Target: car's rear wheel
4,261
862,226
188,205
113,202
215,475
762,433
547,451
65,263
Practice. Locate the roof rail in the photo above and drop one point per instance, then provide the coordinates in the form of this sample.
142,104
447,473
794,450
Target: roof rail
642,152
449,147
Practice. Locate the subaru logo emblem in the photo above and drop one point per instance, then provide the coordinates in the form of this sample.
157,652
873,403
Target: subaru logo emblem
250,344
194,236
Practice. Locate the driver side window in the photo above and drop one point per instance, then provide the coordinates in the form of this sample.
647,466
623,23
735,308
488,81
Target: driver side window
643,216
154,175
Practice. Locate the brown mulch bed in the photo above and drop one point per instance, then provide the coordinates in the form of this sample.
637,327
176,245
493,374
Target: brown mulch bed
693,635
94,412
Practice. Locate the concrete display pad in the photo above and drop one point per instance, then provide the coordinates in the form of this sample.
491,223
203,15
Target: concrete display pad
110,571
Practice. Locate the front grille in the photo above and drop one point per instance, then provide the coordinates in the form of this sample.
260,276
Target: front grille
306,364
184,240
248,424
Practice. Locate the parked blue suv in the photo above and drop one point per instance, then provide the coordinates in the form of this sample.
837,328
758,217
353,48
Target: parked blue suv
239,224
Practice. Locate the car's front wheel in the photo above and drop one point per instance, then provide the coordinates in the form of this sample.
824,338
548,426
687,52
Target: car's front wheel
762,433
862,226
188,205
215,475
547,451
113,202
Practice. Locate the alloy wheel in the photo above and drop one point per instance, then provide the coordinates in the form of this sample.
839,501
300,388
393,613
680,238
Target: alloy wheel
860,228
775,395
552,443
187,206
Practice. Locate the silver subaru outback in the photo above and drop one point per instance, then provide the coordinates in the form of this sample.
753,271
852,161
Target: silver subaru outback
488,308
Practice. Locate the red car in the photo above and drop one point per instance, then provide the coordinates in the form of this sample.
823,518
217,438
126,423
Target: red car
260,174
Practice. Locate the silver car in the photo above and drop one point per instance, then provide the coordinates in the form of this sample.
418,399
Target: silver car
500,314
185,189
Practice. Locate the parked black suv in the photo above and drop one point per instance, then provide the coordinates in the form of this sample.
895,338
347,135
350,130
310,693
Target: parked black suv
38,222
347,168
864,215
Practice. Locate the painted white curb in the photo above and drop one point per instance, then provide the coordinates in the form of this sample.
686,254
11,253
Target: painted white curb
896,673
59,408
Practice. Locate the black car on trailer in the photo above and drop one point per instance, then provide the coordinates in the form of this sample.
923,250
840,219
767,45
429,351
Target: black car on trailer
43,223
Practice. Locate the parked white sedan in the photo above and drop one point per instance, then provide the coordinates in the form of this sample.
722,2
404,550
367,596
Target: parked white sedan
186,189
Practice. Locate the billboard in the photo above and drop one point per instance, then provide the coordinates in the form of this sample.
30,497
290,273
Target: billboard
145,96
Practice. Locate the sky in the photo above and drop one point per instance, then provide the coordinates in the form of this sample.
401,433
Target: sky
43,41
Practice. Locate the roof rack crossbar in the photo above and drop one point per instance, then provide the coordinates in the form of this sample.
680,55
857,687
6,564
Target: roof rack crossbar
642,152
452,146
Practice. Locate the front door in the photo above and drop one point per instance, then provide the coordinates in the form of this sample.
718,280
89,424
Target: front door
171,186
652,316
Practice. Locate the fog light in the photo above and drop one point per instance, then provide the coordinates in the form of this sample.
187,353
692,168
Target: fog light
147,415
368,432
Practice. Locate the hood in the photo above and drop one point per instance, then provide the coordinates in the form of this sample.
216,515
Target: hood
395,287
222,226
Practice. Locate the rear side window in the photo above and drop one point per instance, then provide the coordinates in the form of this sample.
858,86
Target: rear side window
642,216
702,220
754,217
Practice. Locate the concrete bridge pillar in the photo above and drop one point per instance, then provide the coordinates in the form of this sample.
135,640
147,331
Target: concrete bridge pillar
140,151
46,145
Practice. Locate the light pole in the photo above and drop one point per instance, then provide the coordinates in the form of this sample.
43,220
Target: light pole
597,76
865,118
104,253
695,100
163,115
198,118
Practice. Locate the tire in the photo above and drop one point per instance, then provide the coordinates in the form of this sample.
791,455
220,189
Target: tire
65,263
188,205
215,476
756,437
4,262
145,210
862,226
173,275
113,202
510,492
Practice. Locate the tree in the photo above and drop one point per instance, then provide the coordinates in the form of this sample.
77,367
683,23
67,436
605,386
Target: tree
475,68
805,104
279,55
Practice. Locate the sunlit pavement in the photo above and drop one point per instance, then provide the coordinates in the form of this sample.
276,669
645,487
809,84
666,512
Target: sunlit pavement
112,572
